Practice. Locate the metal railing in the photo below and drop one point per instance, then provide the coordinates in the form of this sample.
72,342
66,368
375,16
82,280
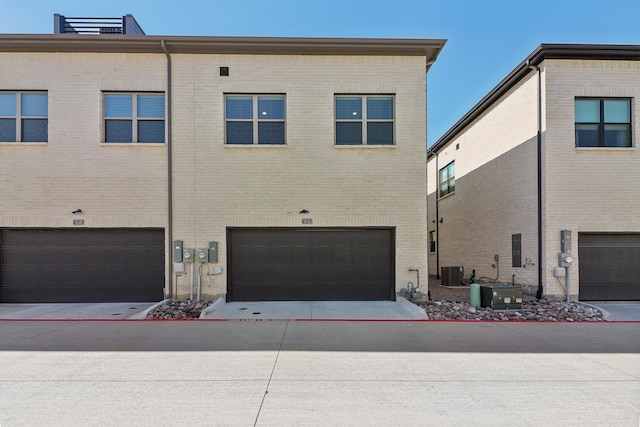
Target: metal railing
124,25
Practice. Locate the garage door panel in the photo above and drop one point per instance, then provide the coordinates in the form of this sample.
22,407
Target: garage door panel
609,266
310,264
87,265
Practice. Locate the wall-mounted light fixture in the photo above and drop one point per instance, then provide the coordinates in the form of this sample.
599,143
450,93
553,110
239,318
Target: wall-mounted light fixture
304,211
441,220
77,212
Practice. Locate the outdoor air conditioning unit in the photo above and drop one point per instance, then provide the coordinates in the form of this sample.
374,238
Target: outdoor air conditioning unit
451,276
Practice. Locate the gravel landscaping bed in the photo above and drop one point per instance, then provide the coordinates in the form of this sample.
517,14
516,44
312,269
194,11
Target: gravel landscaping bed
447,303
179,310
452,303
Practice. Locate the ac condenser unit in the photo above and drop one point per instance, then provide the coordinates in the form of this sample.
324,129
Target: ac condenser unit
451,276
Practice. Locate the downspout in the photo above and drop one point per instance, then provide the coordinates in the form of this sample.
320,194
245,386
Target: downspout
170,293
539,167
437,216
429,64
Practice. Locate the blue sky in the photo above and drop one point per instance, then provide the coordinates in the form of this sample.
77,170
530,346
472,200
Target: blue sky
486,38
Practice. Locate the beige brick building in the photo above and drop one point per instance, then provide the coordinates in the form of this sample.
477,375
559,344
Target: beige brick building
553,147
302,160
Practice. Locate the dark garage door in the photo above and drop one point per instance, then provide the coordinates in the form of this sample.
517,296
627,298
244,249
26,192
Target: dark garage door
88,265
609,267
311,264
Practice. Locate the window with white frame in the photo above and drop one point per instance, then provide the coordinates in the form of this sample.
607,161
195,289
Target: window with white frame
447,179
24,117
134,117
603,122
255,119
364,120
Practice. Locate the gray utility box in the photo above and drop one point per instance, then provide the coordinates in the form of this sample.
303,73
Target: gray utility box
500,297
451,276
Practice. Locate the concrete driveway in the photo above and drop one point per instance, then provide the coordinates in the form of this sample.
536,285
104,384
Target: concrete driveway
620,311
83,311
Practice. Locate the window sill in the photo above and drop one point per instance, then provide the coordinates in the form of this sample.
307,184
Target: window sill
255,145
446,196
22,144
364,146
133,144
607,149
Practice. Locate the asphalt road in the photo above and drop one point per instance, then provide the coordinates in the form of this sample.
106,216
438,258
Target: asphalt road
288,373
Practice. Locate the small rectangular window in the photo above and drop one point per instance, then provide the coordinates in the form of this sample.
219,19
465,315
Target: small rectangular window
134,118
364,120
432,241
255,119
24,117
603,122
447,179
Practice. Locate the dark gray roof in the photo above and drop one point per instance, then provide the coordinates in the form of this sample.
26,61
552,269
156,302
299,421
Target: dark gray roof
544,51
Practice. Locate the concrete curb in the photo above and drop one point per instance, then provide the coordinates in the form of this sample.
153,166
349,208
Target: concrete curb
605,314
143,314
217,304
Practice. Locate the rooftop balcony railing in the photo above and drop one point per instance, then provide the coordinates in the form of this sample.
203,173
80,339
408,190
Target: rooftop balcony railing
124,25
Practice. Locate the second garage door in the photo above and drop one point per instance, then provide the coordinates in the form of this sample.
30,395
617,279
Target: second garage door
311,264
609,266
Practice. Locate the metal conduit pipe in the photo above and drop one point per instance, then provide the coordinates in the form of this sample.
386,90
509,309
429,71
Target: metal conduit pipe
170,290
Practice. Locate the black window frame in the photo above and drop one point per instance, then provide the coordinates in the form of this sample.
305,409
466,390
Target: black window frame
450,180
601,135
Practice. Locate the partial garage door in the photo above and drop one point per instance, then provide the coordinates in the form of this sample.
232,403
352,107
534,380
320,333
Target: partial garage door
311,264
609,266
87,265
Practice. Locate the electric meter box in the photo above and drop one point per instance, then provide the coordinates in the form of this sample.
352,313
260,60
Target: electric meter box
500,297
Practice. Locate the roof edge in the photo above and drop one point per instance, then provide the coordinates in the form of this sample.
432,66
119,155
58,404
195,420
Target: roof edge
541,53
429,48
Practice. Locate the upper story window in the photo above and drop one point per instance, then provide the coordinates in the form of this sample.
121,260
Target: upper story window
255,119
364,120
24,117
603,122
447,179
134,117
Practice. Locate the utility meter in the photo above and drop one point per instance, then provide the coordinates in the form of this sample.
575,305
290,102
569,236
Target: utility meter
187,255
564,260
203,255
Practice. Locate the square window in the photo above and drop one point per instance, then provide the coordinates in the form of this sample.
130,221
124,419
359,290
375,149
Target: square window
24,117
603,122
134,118
364,120
255,119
